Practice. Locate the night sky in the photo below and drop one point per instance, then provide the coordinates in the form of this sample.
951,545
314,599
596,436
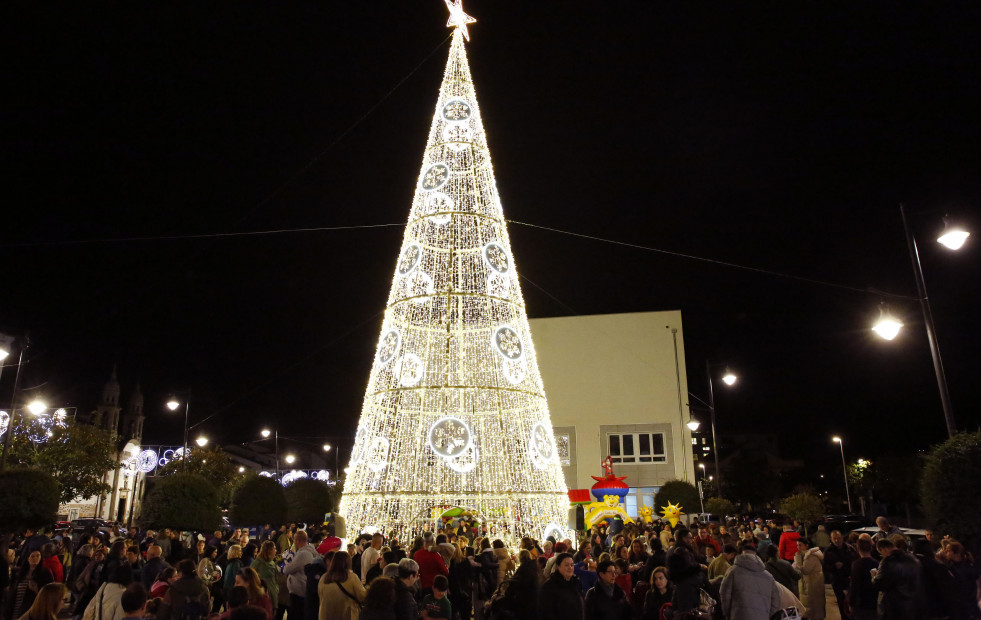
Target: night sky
780,136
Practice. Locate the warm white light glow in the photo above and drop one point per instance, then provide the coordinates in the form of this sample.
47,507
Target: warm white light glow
173,404
265,432
3,354
693,425
729,378
241,470
290,458
326,447
702,465
202,441
37,407
836,439
888,327
455,362
954,238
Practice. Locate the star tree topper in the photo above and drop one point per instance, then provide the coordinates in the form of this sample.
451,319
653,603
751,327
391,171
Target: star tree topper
458,18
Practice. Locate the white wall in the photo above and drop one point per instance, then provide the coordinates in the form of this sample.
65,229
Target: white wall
616,373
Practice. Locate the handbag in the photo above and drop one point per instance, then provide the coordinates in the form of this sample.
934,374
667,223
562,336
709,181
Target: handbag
787,613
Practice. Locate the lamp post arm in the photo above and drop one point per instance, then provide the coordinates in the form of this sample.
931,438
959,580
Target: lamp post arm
715,445
13,410
938,367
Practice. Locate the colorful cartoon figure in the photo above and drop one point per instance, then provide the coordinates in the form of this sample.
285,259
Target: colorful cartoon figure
610,507
647,514
672,512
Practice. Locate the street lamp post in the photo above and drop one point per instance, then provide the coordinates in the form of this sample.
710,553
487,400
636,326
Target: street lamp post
844,468
328,448
265,435
13,407
173,404
728,379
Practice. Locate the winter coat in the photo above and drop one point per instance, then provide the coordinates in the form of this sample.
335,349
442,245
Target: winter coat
845,554
231,569
785,574
898,581
505,565
788,545
654,601
965,576
152,569
405,603
560,599
938,586
809,563
685,573
296,579
718,568
335,604
108,597
53,564
311,605
268,573
184,593
748,591
430,565
486,576
603,606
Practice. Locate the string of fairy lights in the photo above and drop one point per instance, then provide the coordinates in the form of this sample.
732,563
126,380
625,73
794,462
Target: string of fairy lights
454,412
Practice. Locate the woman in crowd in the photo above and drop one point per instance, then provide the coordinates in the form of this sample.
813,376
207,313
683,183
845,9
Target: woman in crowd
106,604
233,567
658,595
48,602
341,592
379,600
162,584
30,579
264,565
249,579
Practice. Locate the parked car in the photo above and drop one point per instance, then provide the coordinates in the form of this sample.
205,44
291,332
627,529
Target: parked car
911,533
844,523
90,522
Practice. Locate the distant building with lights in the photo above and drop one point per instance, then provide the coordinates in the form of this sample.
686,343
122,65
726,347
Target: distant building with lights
616,385
127,483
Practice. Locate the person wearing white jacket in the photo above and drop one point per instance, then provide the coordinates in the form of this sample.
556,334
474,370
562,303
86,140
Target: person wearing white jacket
106,605
296,577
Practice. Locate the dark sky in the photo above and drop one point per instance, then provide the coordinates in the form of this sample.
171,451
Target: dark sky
776,135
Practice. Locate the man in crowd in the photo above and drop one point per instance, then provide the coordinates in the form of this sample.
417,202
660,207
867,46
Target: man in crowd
862,596
369,557
886,529
838,558
705,540
154,565
405,602
748,591
296,577
898,581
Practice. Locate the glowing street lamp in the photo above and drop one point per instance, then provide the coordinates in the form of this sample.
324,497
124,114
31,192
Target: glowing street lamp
953,236
729,378
265,433
844,469
173,404
202,441
37,407
326,447
693,426
888,326
289,459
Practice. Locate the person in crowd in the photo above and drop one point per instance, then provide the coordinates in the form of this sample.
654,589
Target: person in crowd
585,571
505,565
561,596
964,603
258,597
135,561
50,561
430,564
329,543
704,542
685,572
106,604
166,577
938,582
445,548
461,578
232,568
886,530
521,595
48,602
605,600
133,601
369,557
782,570
788,543
198,552
659,594
821,538
862,596
187,597
898,581
265,566
437,604
808,561
405,602
31,577
722,564
379,600
637,559
748,591
296,577
216,542
163,541
559,547
485,577
838,559
236,597
341,591
154,564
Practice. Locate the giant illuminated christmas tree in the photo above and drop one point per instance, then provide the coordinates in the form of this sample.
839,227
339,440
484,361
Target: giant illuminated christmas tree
455,413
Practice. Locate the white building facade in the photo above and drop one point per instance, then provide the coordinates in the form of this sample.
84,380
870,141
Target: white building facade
616,386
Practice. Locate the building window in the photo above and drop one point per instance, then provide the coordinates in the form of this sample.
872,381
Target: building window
562,445
640,496
637,447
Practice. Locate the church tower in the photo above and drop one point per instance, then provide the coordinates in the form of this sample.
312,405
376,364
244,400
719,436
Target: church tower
107,413
133,417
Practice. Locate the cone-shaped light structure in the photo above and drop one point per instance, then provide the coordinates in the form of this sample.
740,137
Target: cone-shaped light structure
455,414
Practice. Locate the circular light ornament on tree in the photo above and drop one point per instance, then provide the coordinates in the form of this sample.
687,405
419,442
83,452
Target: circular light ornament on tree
409,370
514,371
508,343
457,110
377,456
496,258
498,285
411,256
437,205
457,137
388,346
466,462
449,437
419,286
540,446
556,530
360,447
4,422
435,177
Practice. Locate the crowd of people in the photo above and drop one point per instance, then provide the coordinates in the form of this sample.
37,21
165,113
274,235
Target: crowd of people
741,570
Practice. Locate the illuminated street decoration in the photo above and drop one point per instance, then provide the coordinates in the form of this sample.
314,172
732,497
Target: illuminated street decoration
454,411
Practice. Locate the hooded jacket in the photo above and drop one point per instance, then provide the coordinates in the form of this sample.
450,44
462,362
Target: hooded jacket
810,564
748,591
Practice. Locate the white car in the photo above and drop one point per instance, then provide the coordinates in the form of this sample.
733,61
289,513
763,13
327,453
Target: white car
910,533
